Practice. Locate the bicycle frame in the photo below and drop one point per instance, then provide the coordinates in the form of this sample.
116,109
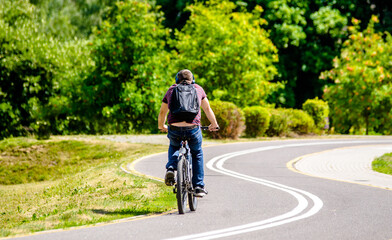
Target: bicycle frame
185,151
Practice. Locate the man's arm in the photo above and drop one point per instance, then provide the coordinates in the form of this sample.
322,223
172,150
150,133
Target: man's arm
162,117
205,104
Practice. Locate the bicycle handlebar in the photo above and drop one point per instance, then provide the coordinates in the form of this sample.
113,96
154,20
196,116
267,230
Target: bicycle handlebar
206,128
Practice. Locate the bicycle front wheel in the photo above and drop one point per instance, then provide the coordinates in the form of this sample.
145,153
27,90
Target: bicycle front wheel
181,186
192,201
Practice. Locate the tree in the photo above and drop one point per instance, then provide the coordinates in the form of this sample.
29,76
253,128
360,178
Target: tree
229,53
36,70
124,91
67,19
360,98
308,35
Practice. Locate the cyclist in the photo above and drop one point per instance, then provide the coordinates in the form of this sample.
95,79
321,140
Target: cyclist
186,128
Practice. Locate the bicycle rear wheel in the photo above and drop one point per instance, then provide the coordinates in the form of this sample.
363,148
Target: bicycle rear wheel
181,186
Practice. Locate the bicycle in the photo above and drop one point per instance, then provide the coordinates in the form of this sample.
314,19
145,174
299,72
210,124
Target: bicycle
183,188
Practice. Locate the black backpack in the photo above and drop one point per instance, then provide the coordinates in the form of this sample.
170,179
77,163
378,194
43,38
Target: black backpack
183,103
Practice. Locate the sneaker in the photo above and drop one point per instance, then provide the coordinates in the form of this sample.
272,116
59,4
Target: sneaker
169,177
200,192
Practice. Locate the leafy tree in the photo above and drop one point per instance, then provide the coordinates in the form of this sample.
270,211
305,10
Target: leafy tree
35,70
124,91
288,20
67,19
360,97
308,35
229,52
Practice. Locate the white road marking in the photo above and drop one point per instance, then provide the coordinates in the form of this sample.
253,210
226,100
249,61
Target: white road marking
294,215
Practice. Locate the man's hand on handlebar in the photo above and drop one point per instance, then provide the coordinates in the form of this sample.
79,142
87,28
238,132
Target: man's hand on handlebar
213,127
163,128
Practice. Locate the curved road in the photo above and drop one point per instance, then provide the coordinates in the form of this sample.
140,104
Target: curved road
255,194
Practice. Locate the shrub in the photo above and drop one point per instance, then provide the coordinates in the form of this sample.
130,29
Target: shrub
257,120
299,121
42,130
230,119
278,123
286,121
318,110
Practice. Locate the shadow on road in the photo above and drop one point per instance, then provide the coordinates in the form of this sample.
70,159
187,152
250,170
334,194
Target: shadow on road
127,212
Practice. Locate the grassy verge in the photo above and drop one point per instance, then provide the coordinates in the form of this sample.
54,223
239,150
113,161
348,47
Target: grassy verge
383,164
58,184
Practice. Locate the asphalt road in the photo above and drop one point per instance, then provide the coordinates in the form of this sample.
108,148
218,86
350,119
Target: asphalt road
253,194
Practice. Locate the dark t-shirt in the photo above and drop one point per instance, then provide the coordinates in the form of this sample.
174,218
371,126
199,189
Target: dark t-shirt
200,96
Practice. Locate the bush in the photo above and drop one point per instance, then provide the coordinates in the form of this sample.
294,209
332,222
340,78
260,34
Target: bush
299,121
318,110
257,120
230,119
278,123
42,130
286,121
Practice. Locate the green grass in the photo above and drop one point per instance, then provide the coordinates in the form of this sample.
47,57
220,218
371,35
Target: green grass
34,161
383,164
59,184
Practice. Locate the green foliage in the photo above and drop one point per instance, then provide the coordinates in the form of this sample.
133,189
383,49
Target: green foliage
47,74
279,125
36,70
329,21
307,35
42,130
67,19
288,19
124,92
363,80
229,117
229,52
299,121
257,120
318,110
285,122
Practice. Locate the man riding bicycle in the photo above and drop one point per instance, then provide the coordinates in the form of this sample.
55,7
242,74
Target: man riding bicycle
186,127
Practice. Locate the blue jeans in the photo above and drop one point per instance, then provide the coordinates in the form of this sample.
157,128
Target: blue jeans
195,139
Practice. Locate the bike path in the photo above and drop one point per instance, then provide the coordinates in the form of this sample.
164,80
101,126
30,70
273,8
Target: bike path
253,195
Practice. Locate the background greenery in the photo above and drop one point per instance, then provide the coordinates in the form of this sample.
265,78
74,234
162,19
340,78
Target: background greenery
103,66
